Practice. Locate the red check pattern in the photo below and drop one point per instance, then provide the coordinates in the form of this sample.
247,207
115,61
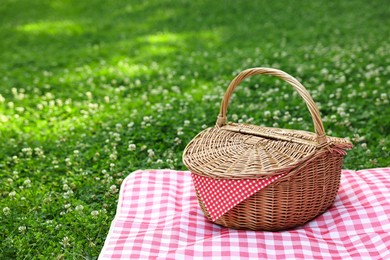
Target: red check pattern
220,196
158,217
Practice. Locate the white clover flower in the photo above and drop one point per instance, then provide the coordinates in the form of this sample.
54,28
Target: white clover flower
108,178
2,99
187,122
180,131
22,229
47,199
118,127
93,107
177,140
176,89
151,153
4,118
65,187
27,151
113,157
131,147
117,137
89,95
19,109
6,211
39,152
113,189
65,242
59,102
68,161
364,145
169,161
67,206
67,194
12,194
249,120
95,213
373,161
79,207
27,183
159,161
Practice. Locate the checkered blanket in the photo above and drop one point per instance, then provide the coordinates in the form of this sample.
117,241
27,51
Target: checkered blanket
158,217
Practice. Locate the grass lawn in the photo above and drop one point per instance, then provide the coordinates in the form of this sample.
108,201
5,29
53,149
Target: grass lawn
93,90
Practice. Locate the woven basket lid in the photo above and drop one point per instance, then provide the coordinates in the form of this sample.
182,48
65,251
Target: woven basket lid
231,150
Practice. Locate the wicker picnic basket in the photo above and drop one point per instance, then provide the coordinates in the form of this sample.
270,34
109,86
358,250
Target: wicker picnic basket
309,163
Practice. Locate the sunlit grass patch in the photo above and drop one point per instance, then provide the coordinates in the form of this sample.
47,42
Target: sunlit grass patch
52,28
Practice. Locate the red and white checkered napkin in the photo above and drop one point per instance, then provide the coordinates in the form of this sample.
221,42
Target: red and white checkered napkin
221,195
158,217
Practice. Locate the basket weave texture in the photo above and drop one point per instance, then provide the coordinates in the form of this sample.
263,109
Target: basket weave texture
310,161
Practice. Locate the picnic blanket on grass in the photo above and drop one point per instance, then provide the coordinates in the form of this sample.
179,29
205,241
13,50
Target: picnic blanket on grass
158,217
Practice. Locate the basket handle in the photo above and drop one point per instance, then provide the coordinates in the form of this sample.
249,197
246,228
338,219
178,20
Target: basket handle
313,109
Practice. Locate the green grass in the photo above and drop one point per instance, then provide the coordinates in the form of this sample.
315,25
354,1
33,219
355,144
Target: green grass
93,90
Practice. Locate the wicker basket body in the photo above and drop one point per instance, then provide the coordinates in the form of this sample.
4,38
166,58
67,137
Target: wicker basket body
289,202
311,164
